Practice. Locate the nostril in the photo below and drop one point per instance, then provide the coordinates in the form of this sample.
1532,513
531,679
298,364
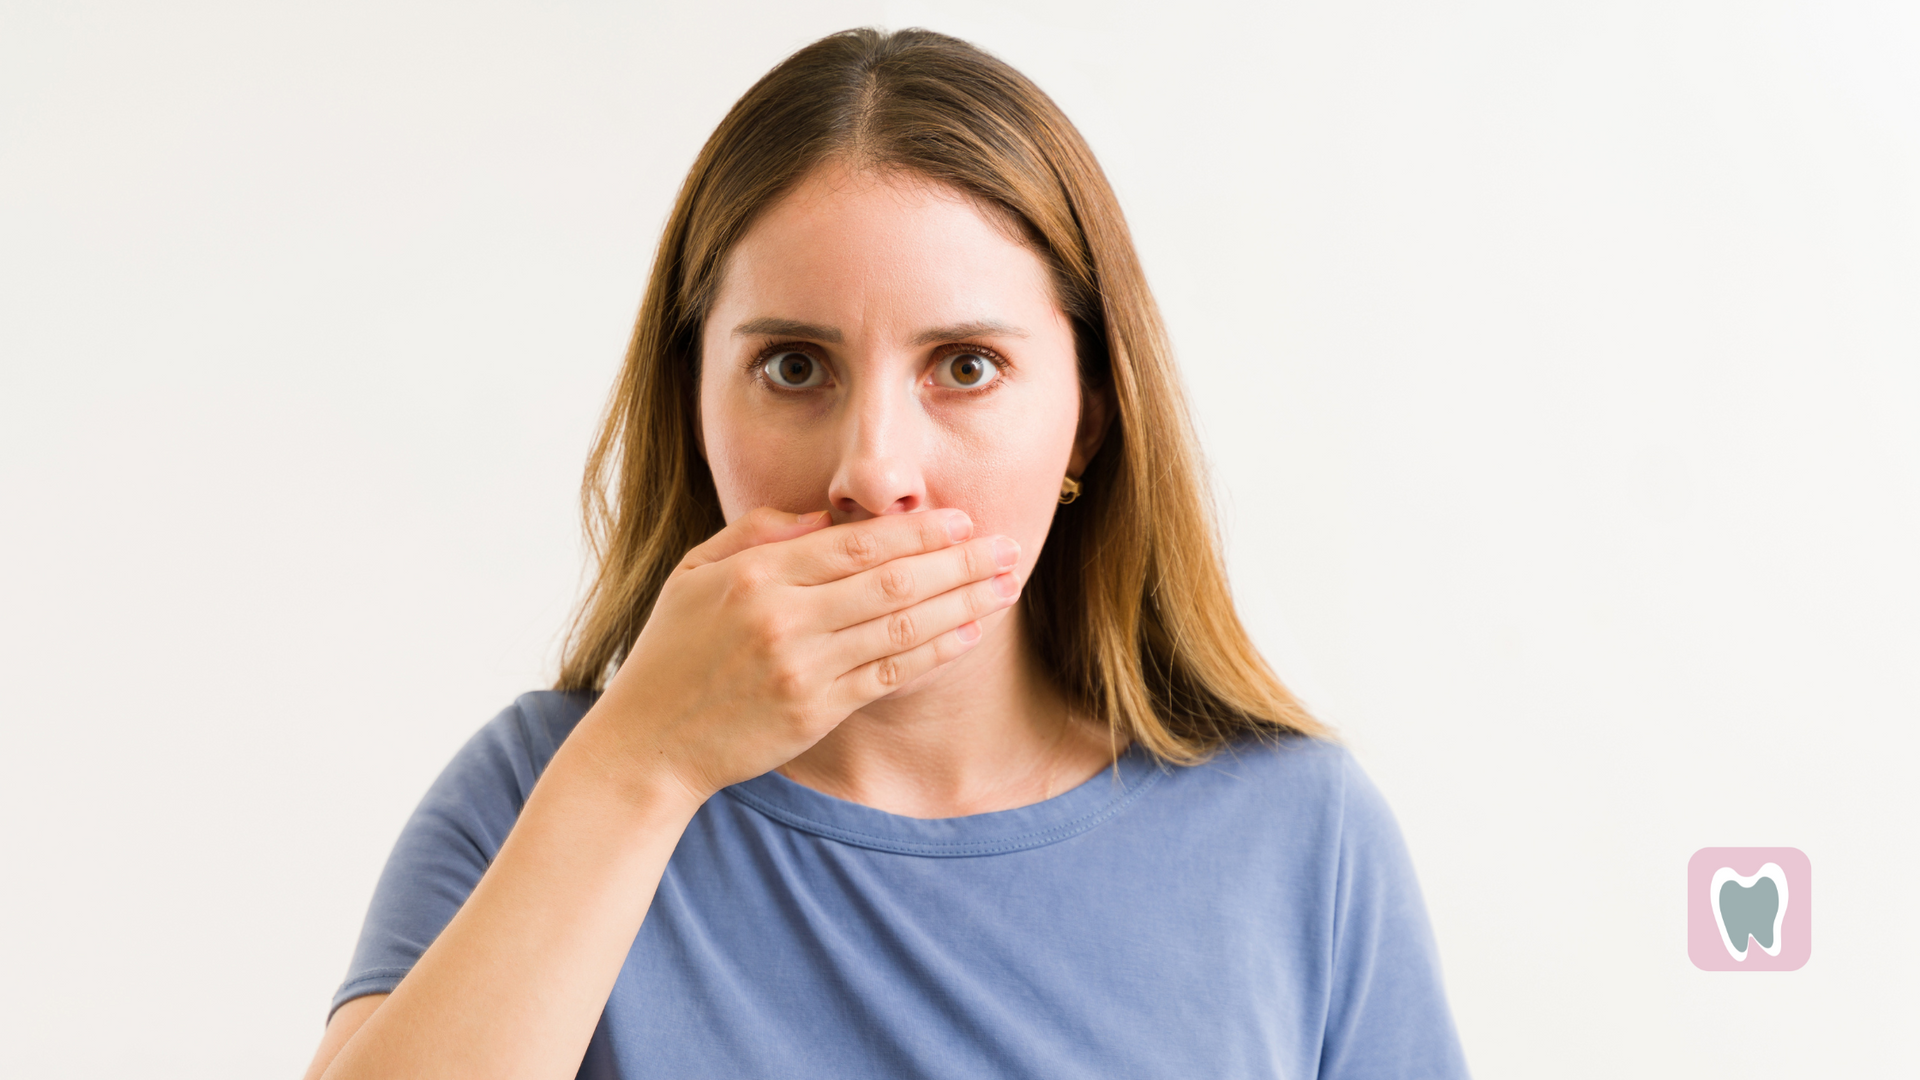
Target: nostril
857,509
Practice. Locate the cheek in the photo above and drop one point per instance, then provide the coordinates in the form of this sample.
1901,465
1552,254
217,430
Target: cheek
1004,470
755,463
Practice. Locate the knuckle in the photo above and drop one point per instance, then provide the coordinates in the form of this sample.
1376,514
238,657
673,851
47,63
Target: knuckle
977,601
900,629
976,560
787,681
762,635
774,625
753,577
894,583
859,547
888,672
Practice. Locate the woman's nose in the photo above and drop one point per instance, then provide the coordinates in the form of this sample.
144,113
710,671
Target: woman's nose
879,467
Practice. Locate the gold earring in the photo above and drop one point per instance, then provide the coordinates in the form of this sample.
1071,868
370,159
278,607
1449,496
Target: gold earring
1069,490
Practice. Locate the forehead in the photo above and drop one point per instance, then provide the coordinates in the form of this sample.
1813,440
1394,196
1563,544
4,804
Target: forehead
883,242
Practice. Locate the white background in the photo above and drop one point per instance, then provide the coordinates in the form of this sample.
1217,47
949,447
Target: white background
1559,364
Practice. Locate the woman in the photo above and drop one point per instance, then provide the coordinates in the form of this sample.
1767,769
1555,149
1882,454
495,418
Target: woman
908,728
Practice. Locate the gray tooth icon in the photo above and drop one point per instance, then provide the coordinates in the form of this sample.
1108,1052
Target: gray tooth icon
1749,909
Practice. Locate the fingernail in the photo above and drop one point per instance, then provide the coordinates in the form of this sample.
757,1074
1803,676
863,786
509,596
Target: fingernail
1005,586
1006,551
814,518
958,525
969,633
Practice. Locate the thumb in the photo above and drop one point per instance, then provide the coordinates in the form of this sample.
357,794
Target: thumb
763,526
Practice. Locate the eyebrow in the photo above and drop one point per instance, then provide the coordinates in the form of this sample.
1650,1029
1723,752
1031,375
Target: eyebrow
976,328
786,328
793,328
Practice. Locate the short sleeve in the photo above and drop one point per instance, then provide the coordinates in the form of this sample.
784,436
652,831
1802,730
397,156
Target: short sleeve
452,838
1388,1015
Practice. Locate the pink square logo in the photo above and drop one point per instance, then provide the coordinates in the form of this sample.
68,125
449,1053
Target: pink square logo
1749,909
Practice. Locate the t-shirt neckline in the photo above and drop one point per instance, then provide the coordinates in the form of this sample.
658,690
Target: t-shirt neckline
1050,821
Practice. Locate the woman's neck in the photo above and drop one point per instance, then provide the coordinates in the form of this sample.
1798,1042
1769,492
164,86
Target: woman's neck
989,731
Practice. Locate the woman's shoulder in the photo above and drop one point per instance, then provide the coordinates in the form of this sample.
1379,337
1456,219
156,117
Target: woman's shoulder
510,751
540,720
1284,766
1309,783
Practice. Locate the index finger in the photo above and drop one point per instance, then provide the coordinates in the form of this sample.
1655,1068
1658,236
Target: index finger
762,526
844,550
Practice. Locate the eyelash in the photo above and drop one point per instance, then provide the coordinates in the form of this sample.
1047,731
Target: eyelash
757,366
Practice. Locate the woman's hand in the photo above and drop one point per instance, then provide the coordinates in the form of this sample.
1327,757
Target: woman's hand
778,627
764,638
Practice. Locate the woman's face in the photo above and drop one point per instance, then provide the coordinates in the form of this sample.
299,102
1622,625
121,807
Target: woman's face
879,346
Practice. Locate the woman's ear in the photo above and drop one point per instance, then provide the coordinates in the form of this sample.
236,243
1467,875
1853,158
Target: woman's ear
1096,412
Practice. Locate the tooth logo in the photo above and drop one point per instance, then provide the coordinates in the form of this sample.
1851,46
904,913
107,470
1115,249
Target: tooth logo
1749,909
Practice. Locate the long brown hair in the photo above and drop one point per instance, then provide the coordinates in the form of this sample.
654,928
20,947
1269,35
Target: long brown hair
1128,603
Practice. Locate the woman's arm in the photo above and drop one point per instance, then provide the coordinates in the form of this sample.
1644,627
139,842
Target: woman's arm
515,983
340,1027
765,638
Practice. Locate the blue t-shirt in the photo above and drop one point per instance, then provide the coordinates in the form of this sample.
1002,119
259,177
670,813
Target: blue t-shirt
1255,916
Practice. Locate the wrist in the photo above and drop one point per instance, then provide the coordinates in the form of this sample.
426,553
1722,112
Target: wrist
603,757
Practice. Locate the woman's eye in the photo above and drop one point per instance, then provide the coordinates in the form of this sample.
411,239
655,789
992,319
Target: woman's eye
795,370
966,371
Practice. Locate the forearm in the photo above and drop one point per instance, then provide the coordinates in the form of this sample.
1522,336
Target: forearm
516,982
